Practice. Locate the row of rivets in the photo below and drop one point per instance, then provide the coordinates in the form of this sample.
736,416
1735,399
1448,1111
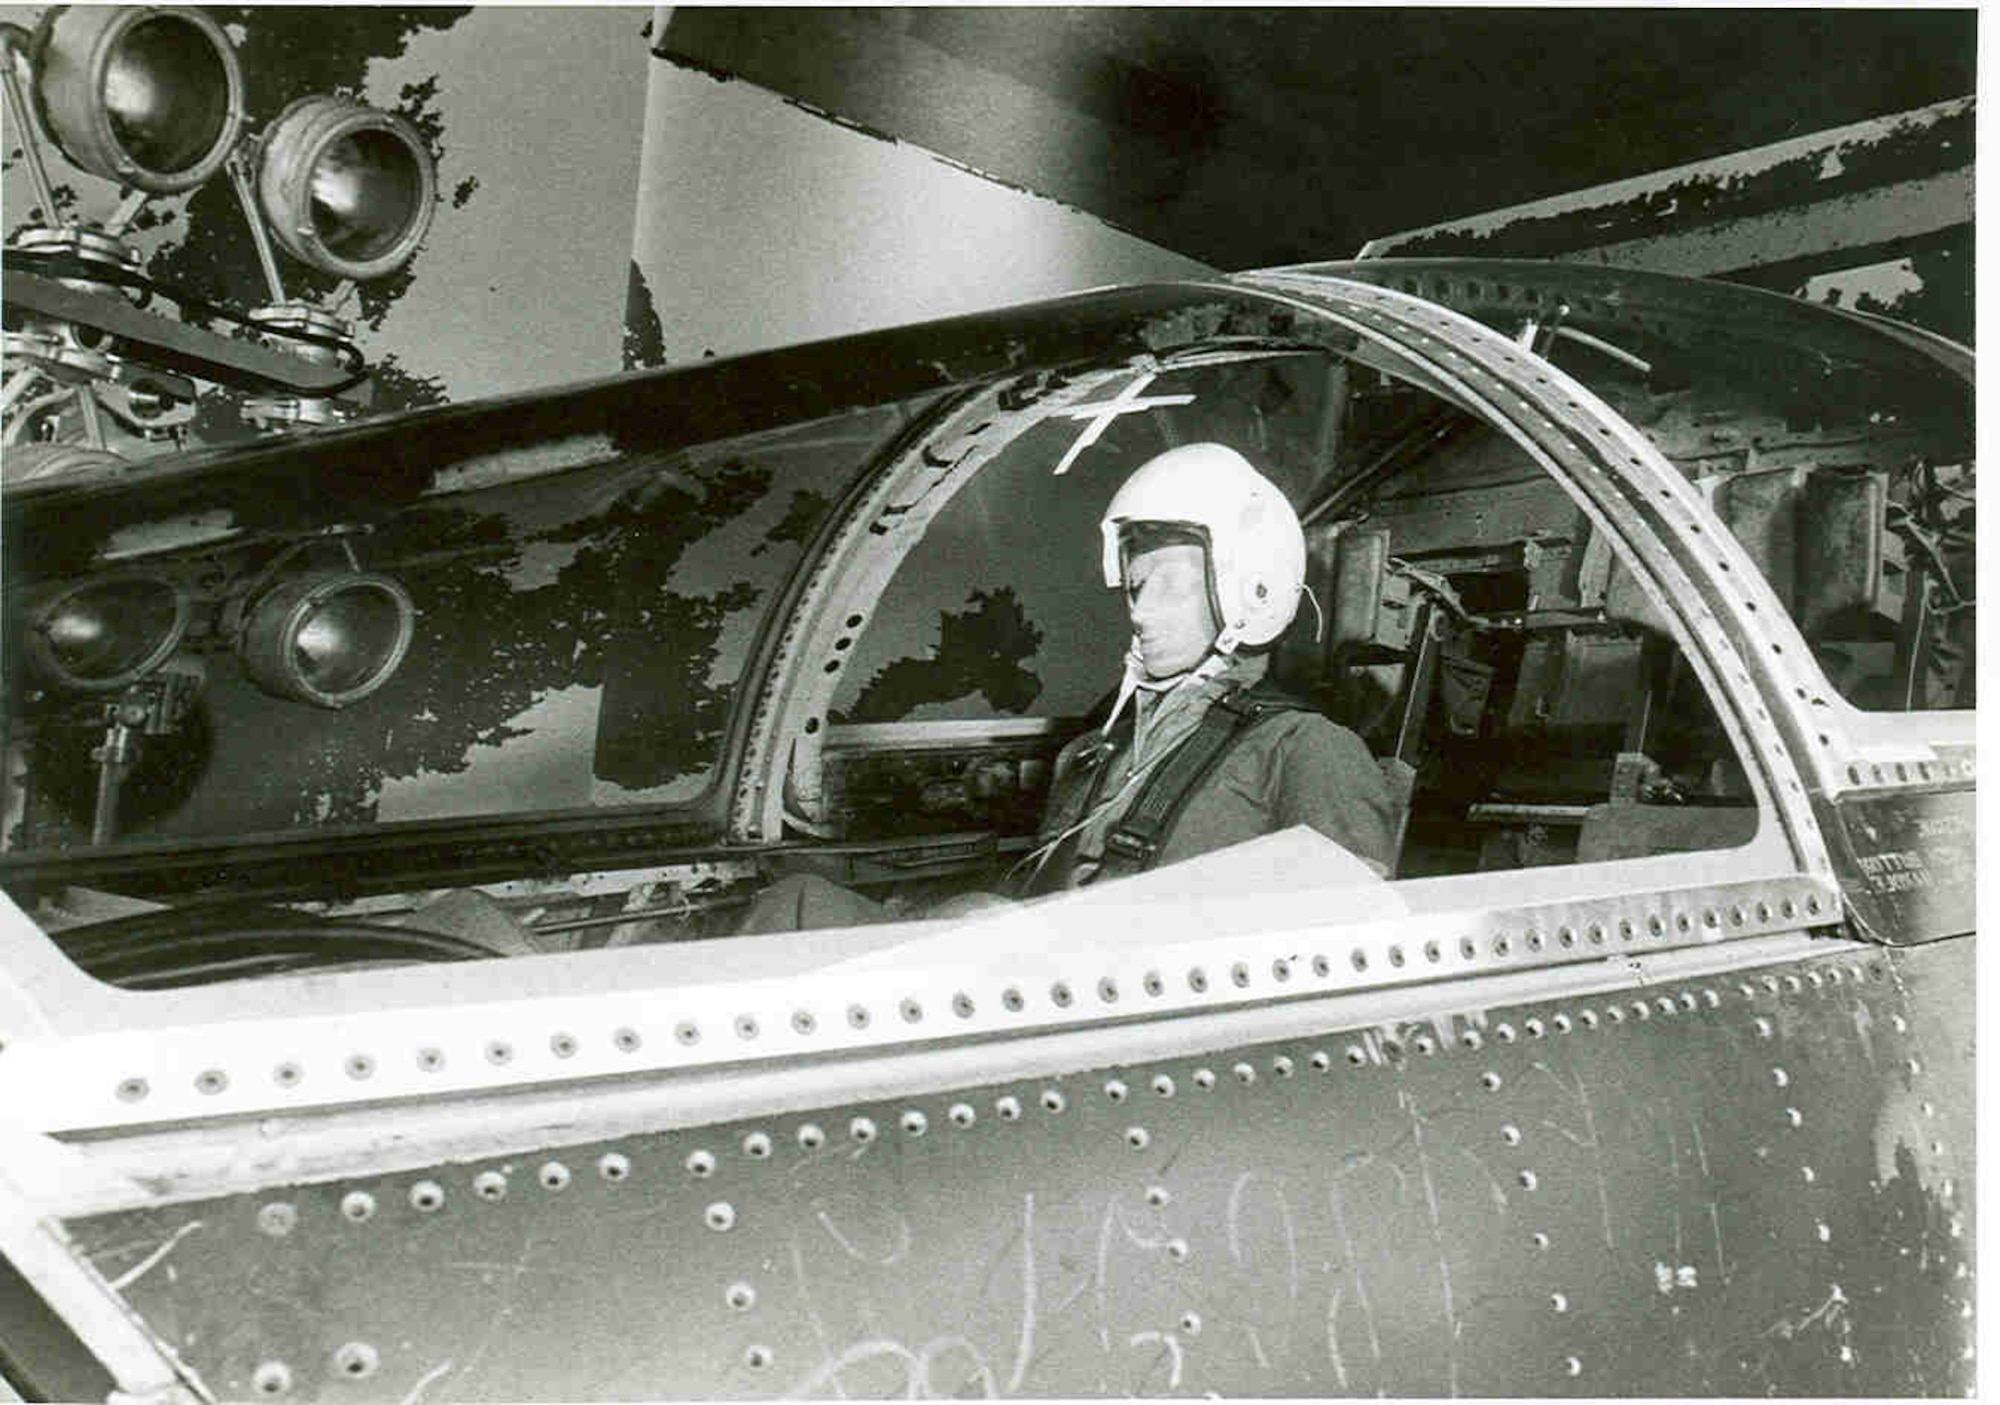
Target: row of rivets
361,1067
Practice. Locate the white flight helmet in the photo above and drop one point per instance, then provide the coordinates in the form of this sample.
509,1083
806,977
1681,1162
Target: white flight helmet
1256,549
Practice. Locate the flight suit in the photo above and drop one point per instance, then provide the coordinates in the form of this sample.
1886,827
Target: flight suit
1290,768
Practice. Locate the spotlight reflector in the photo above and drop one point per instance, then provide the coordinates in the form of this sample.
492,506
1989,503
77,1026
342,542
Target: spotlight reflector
149,97
346,188
328,638
99,635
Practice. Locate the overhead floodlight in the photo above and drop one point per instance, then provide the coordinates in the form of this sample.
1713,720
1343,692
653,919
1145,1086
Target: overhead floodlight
346,188
328,638
95,636
151,98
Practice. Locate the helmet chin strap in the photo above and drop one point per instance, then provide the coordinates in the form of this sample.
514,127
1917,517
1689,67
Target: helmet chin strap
1219,657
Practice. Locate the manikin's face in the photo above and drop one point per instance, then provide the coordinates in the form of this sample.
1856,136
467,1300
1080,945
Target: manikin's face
1166,593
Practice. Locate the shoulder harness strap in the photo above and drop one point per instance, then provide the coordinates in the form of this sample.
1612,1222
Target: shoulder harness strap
1134,844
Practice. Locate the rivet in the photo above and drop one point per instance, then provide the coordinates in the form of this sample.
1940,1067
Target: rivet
1177,1250
1157,1195
1240,974
803,1022
1665,1005
1505,1032
1283,1067
759,1357
211,1081
1471,1039
740,1296
1012,1000
1566,936
720,1217
1281,969
961,1115
1795,1117
1913,1065
430,1060
1589,1018
1780,1077
1824,1231
857,1016
1322,966
1153,983
700,1163
1536,1029
1615,1013
626,1040
1358,959
1559,1301
746,1026
426,1196
1243,1073
278,1219
1197,979
272,1378
1116,1091
1356,1055
1572,1365
1191,1323
1562,1023
1204,1078
1808,1174
757,1146
1539,1239
962,1006
1061,995
356,1361
1396,956
1321,1060
1053,1100
1138,1138
357,1206
1163,1085
1793,984
1490,1081
1510,1134
810,1136
1899,1024
1529,1180
1009,1108
1597,933
286,1075
1424,1044
911,1011
688,1032
861,1129
553,1176
914,1123
613,1166
1641,1010
490,1185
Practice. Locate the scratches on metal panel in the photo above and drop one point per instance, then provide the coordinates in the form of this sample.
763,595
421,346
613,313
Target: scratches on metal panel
828,1373
1171,1346
1499,1192
1025,1350
1360,1282
1864,1029
1417,1123
1333,1355
1826,1312
436,1373
901,1237
813,1318
151,1261
1592,1142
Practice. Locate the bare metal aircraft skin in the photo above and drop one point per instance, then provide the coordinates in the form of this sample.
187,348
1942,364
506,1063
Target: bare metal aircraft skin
1648,1073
